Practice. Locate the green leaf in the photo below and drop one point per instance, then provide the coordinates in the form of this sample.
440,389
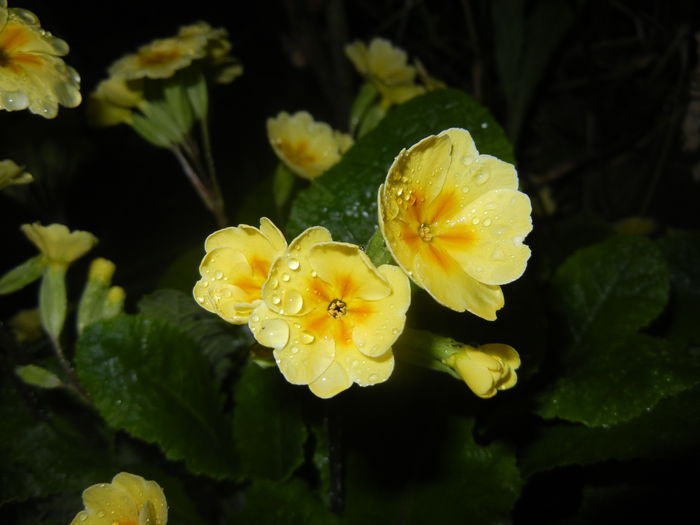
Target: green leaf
344,199
670,429
611,289
268,430
146,376
459,482
42,453
22,275
37,376
225,345
289,503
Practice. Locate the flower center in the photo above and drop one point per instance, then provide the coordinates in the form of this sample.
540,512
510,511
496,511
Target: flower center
297,153
337,309
424,233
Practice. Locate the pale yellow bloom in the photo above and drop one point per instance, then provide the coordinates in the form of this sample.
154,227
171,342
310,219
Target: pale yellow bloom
330,315
225,68
455,222
128,500
235,267
26,325
32,74
114,100
57,243
385,67
486,369
306,146
11,174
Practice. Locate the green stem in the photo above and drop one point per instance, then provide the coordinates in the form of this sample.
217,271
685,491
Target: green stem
211,169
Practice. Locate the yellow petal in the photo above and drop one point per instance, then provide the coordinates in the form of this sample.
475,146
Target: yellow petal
498,221
364,370
331,382
58,244
452,287
378,330
144,491
111,502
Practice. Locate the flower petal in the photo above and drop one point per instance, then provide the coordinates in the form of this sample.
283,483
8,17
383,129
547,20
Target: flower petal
379,329
498,221
111,502
333,381
452,287
365,370
144,491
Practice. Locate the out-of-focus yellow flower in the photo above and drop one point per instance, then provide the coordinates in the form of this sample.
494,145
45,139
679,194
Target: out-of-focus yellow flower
330,315
455,222
486,369
26,325
385,67
307,147
32,74
225,68
11,174
113,101
235,267
58,244
127,500
431,83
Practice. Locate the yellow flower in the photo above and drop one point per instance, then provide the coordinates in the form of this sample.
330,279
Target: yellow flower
32,74
26,325
486,369
385,67
128,500
59,245
455,222
113,101
330,315
307,147
226,68
11,174
235,267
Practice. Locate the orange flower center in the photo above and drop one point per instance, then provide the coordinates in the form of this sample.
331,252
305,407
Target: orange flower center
424,232
337,309
157,58
11,41
298,153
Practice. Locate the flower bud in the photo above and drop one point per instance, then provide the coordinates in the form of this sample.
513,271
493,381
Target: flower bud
486,369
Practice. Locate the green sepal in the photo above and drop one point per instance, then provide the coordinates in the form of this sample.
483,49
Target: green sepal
22,275
92,303
372,117
364,99
148,131
282,184
176,99
37,376
195,85
52,300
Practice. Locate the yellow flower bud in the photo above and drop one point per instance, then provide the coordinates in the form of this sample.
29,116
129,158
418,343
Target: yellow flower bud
486,369
101,270
11,174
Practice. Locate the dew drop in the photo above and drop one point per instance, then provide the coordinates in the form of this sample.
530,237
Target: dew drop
497,255
218,275
200,299
14,100
487,222
465,189
373,378
313,273
83,517
285,277
255,318
295,350
394,331
274,333
475,220
481,178
307,338
274,283
467,160
101,514
293,264
276,299
293,301
484,125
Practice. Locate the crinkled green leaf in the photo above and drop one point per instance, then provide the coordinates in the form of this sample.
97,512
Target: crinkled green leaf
147,376
459,482
288,503
670,429
268,430
22,275
42,453
344,199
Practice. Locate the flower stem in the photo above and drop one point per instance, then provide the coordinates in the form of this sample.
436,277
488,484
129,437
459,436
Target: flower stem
73,382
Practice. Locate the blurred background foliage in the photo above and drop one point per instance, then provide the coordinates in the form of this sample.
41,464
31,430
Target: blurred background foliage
599,101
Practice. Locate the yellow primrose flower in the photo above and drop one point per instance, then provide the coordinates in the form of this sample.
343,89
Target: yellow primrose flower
330,315
57,243
385,67
307,147
113,101
127,500
235,267
455,222
486,369
226,68
32,74
11,174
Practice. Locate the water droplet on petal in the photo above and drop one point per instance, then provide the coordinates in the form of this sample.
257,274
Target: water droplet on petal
314,274
274,283
307,338
475,220
293,264
274,333
255,318
373,378
294,350
101,514
465,189
83,517
293,301
285,277
484,125
497,255
218,275
276,299
200,299
481,178
487,222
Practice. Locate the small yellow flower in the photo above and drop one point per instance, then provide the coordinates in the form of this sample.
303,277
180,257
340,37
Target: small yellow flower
26,325
455,222
385,67
57,243
11,174
32,74
127,500
225,68
235,267
330,315
113,101
307,147
486,369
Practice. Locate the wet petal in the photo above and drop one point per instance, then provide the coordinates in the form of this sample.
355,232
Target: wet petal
333,381
110,502
498,222
365,370
144,492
